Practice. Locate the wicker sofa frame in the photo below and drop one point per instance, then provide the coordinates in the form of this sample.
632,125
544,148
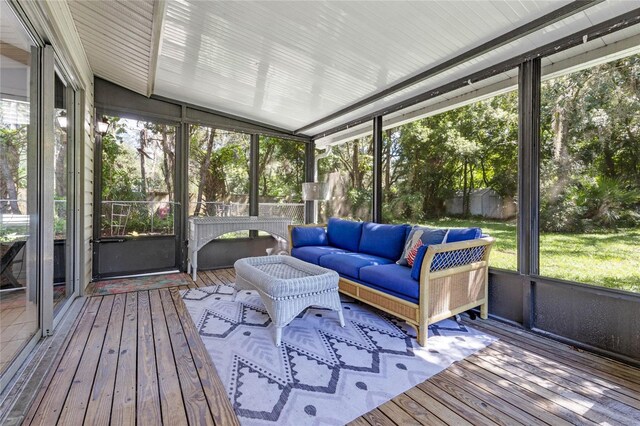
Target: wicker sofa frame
449,285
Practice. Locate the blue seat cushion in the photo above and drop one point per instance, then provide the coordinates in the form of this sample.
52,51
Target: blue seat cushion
383,240
385,290
462,234
302,236
393,277
349,264
344,234
312,254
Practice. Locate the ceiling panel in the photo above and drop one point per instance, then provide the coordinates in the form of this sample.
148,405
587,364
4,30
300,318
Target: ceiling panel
553,32
117,38
290,63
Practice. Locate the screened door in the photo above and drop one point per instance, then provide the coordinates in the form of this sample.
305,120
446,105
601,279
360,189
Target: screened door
135,229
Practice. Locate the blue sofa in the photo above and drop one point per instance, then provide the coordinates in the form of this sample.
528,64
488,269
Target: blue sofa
446,278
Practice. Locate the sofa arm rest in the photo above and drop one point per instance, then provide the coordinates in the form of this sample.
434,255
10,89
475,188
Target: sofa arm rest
292,227
470,254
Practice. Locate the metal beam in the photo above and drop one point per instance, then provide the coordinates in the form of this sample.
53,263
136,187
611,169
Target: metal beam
264,128
309,176
376,211
599,30
513,35
254,179
159,8
529,86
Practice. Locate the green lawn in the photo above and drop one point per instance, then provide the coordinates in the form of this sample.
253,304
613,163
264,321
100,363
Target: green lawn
610,259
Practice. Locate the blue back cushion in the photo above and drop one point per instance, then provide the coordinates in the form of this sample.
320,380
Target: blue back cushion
344,234
417,264
304,236
464,234
383,240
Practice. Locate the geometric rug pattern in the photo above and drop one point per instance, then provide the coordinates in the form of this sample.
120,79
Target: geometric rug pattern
321,373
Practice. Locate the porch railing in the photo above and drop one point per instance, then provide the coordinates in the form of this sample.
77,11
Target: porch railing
293,211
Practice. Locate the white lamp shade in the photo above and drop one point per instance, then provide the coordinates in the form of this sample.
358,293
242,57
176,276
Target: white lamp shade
315,191
103,127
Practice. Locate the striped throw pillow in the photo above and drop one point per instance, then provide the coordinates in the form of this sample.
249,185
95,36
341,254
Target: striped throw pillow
411,256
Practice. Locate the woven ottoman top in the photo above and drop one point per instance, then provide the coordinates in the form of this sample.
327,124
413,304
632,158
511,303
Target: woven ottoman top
283,276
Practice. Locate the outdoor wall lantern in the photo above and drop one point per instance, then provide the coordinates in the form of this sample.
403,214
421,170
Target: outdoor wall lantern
103,126
62,121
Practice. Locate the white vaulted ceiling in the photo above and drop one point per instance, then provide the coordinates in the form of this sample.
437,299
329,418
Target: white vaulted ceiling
290,63
118,39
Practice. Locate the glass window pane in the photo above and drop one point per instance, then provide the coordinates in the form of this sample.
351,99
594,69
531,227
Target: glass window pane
218,173
138,178
281,174
590,176
348,171
19,189
62,207
457,169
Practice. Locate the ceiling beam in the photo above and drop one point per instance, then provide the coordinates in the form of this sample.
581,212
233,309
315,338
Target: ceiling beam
513,35
15,53
599,30
159,8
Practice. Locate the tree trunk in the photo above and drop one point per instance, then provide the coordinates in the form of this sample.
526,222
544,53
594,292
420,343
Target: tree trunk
204,169
484,174
357,184
465,195
387,162
168,160
143,172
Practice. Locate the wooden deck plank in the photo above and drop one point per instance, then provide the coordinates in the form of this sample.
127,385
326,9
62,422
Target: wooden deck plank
214,390
501,411
563,409
444,413
101,396
578,378
614,371
171,399
124,395
49,409
503,390
75,405
74,333
360,421
605,379
148,409
215,277
585,394
378,418
546,388
151,367
460,408
195,402
397,414
421,414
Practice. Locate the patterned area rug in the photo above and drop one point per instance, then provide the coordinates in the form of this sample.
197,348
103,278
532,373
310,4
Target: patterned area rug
322,373
125,285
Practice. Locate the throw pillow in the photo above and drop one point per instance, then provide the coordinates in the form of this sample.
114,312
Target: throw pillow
427,235
417,263
412,253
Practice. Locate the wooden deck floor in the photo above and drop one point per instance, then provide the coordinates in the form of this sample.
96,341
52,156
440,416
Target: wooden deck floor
136,358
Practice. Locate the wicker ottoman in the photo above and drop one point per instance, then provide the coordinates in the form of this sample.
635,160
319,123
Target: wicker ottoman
288,286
